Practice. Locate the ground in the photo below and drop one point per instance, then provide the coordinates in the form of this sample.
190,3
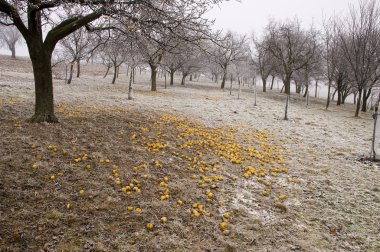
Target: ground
209,171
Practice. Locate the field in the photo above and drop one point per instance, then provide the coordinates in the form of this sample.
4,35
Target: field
209,171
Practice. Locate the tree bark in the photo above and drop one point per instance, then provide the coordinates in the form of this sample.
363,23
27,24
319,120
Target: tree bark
183,79
43,82
130,84
224,79
287,85
172,77
114,73
316,88
271,85
108,69
13,50
153,77
264,84
358,104
71,73
366,95
78,68
328,95
306,91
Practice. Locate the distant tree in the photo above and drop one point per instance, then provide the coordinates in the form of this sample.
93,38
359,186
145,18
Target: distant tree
9,37
263,60
231,48
292,47
360,39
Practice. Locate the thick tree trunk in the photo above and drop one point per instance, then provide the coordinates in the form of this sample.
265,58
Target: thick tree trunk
114,73
43,81
153,77
224,80
287,85
71,73
78,68
172,77
264,84
183,79
13,50
358,103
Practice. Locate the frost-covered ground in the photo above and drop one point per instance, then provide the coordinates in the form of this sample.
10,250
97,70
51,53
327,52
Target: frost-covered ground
335,202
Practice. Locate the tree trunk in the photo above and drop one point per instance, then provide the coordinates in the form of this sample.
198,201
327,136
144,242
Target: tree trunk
183,79
13,50
172,77
306,91
328,95
316,88
366,95
71,73
191,77
130,85
78,68
108,69
224,80
358,104
333,95
287,85
114,73
339,91
43,82
271,85
264,84
153,77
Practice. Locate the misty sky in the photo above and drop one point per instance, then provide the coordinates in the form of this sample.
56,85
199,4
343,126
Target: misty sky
253,15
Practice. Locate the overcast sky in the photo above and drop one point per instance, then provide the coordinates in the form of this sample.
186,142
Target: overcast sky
253,15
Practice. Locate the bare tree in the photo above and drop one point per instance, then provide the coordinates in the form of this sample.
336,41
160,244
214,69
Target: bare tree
293,48
230,49
9,37
360,38
262,59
